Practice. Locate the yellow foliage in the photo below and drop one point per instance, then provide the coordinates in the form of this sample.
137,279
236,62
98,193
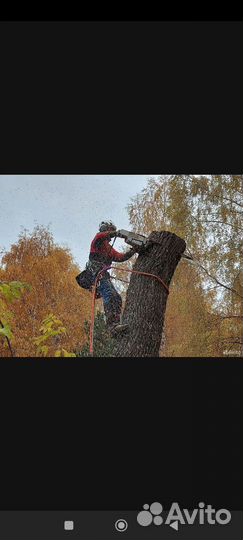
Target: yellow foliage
189,323
50,271
207,212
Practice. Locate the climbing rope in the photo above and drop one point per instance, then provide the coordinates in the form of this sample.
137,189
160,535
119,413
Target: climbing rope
91,334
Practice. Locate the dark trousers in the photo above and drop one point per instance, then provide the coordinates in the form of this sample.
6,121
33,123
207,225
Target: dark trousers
112,301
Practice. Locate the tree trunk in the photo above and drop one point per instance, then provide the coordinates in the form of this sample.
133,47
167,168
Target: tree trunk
146,296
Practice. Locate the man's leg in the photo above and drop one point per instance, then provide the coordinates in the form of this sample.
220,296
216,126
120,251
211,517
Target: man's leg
112,301
112,304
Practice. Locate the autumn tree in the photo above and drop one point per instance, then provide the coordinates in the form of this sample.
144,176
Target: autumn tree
50,271
191,329
207,212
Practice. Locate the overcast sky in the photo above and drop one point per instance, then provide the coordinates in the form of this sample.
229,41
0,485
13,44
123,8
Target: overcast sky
73,206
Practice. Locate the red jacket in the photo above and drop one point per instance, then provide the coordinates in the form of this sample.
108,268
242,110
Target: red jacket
101,250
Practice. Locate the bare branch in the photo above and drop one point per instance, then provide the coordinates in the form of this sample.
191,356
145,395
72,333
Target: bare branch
231,316
232,201
217,221
231,289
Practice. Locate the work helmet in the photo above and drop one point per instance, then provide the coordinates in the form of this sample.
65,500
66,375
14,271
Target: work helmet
107,226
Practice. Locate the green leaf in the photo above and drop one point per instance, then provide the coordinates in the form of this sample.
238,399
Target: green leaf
68,354
44,350
13,290
64,353
6,331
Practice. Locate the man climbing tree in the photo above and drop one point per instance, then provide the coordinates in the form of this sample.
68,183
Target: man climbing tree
102,254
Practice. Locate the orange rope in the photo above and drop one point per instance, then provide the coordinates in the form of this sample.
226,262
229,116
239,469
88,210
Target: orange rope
91,333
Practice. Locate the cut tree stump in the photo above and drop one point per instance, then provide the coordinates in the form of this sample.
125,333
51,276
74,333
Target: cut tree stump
146,298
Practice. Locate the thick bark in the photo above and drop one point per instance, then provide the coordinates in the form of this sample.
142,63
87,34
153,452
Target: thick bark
146,297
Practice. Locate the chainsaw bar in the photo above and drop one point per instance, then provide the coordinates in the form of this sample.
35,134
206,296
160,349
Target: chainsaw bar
133,239
139,240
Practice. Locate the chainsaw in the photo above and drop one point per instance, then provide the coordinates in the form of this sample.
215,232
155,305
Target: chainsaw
139,241
133,239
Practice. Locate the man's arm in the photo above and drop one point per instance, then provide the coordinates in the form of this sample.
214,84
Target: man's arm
121,257
101,237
